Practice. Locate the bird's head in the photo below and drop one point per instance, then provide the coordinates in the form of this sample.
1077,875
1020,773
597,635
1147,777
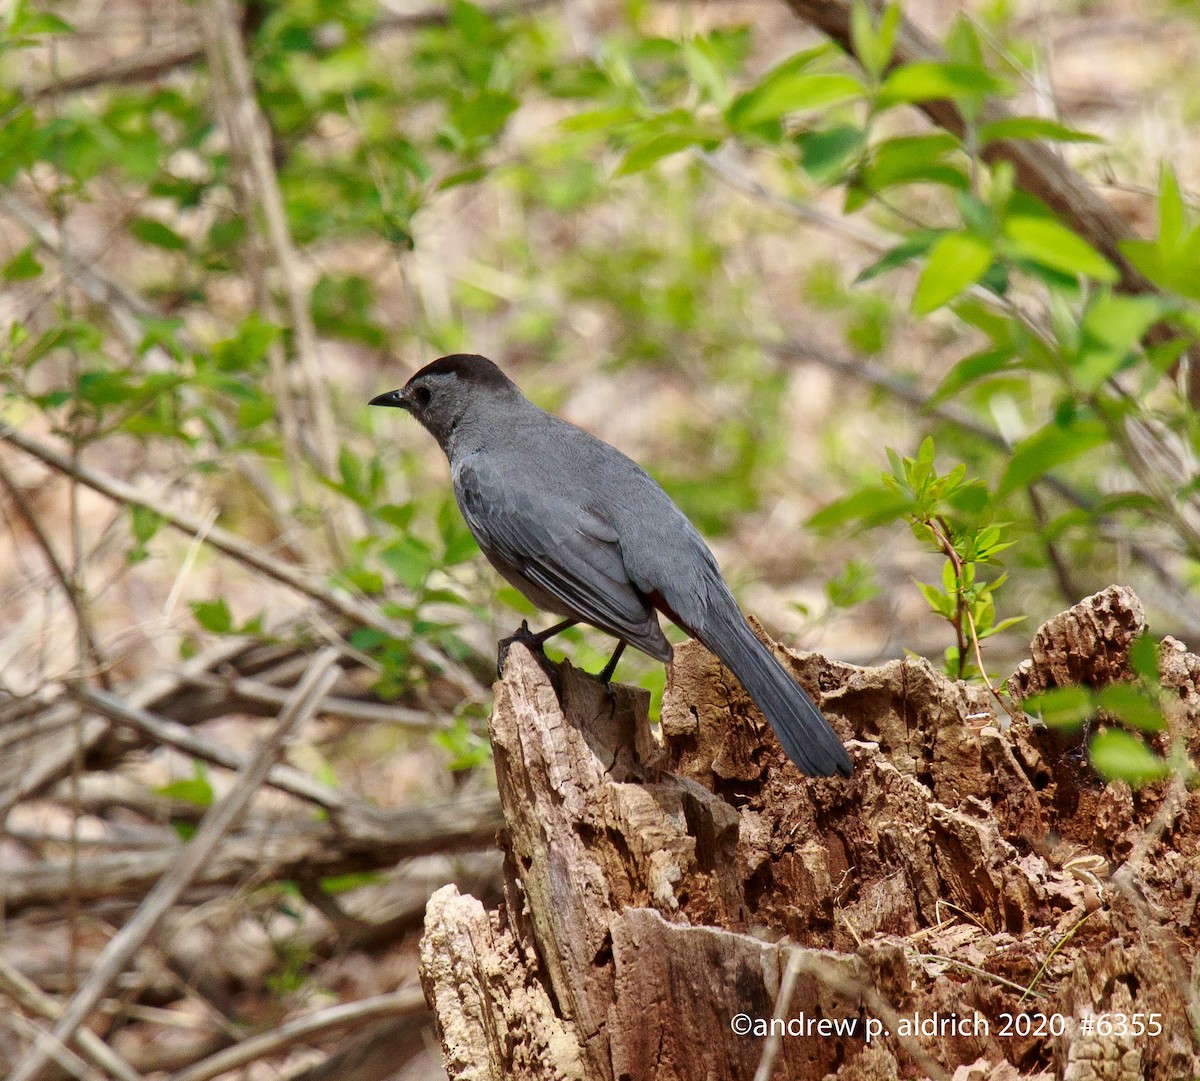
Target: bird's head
442,393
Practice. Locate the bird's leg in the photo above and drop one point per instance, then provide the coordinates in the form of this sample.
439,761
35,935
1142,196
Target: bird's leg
605,674
533,641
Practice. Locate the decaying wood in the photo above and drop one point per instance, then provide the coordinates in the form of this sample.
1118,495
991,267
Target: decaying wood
658,888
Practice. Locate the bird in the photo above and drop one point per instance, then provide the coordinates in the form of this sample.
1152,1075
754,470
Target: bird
585,533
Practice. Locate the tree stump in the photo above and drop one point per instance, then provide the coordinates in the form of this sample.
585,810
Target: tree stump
953,909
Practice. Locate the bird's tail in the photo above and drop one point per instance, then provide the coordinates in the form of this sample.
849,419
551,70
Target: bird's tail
805,734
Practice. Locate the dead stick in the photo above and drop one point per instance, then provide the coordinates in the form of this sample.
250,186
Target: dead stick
179,736
246,128
216,823
233,546
398,1003
285,850
30,997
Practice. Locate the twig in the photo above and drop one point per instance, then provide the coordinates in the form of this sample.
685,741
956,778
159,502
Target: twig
70,588
1062,573
173,734
1037,976
25,774
68,1060
215,824
287,850
30,997
814,215
300,1029
783,1003
246,129
375,1054
148,64
257,696
143,66
975,970
252,556
818,968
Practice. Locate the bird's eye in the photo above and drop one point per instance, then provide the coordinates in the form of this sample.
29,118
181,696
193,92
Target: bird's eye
422,396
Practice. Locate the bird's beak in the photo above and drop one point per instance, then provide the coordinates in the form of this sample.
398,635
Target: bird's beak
393,398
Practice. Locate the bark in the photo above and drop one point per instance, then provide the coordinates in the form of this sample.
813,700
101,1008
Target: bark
657,886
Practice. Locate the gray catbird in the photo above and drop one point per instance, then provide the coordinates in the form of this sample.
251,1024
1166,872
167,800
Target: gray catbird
587,533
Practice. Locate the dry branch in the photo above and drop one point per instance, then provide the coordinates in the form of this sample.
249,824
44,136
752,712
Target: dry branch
250,555
33,999
173,734
376,1054
221,817
149,64
291,849
649,885
44,753
300,1029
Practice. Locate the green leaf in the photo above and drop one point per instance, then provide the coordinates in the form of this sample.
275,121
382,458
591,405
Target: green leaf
1111,327
1048,447
154,232
1143,657
1062,707
1046,241
1133,706
939,603
247,350
213,616
145,523
1033,127
1120,322
926,80
1120,756
410,560
916,244
792,91
654,149
854,585
195,790
825,154
873,44
1003,625
870,506
397,515
600,119
956,261
963,45
483,115
30,23
22,267
973,368
1172,216
911,158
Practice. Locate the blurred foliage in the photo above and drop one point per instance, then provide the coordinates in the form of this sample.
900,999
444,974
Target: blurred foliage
369,130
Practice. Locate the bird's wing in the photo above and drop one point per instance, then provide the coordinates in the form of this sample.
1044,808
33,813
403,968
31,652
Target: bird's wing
569,550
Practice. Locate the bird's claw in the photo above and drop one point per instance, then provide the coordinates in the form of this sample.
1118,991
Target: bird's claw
523,635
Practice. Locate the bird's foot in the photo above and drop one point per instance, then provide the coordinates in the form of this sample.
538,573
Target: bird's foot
605,675
535,643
